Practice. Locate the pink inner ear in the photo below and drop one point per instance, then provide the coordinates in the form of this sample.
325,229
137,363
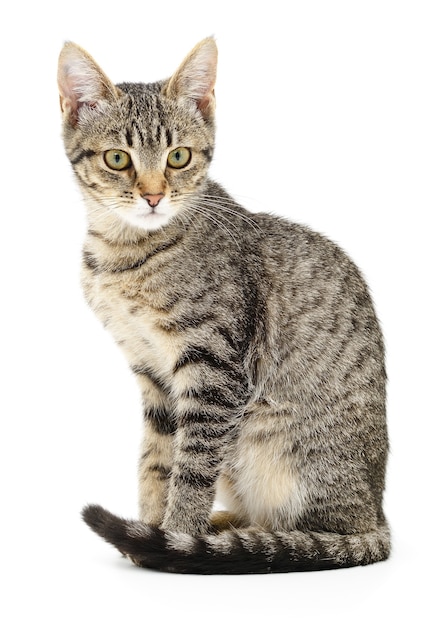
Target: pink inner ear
81,82
205,103
77,93
69,94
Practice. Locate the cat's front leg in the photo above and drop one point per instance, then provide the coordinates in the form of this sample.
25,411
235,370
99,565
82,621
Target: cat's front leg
198,460
212,399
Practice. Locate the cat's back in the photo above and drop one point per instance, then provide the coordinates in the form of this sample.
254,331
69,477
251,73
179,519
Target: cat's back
321,324
302,265
281,252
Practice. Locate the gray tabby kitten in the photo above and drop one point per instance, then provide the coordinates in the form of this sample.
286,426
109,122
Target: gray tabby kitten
254,341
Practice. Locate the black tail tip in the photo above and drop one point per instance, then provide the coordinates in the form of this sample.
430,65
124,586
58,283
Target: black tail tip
101,521
108,526
94,516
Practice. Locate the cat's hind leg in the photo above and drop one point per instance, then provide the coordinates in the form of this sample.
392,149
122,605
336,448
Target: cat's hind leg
232,515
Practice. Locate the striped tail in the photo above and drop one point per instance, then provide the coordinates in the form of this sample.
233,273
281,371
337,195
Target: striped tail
236,551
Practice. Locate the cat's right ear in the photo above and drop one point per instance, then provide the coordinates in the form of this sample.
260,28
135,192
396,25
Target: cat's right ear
196,76
83,86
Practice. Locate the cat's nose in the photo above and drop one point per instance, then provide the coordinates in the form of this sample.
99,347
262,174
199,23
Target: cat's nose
153,199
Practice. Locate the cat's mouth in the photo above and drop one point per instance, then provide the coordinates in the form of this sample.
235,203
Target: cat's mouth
150,212
147,218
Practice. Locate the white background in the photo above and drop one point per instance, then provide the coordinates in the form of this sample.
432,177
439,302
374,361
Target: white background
328,113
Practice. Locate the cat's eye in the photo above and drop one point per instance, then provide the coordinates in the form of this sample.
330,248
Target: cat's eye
117,159
178,158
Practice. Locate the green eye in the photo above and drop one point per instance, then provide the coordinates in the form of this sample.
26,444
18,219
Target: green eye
117,159
178,158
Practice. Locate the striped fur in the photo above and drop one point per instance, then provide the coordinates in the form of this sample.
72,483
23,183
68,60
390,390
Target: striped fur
254,341
237,551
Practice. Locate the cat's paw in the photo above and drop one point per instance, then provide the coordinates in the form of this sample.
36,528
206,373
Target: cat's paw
224,520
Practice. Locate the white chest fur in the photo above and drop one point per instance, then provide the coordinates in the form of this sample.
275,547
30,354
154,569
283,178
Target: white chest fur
126,309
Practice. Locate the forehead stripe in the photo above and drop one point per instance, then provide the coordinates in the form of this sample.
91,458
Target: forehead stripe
129,139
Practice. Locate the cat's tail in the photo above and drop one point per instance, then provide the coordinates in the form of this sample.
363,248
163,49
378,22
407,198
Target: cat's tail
236,551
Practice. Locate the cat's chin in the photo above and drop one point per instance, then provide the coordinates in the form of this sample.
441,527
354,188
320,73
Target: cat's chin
147,219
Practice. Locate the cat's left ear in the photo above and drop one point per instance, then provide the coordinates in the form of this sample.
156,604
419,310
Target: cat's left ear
84,87
196,76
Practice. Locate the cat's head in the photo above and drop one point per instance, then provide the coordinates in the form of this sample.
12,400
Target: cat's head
139,151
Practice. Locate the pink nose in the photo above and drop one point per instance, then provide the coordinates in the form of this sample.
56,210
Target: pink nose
153,199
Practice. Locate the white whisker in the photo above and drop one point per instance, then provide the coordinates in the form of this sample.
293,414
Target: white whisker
202,210
226,205
214,211
222,211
